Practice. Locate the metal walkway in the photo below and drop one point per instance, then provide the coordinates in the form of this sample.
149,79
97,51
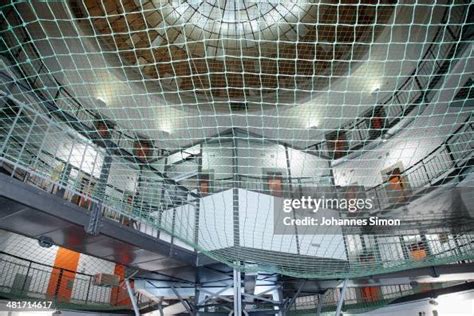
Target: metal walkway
32,212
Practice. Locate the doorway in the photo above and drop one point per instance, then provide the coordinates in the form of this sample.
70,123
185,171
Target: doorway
397,186
274,183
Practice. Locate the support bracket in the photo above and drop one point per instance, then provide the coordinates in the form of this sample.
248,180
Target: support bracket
95,219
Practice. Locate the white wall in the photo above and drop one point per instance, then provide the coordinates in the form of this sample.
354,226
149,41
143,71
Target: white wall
216,228
185,226
79,152
25,248
256,224
218,157
256,220
413,308
122,176
29,249
391,252
254,157
428,130
91,265
306,165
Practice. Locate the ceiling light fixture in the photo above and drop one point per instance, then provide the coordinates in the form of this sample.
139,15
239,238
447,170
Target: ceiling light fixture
312,123
101,101
385,137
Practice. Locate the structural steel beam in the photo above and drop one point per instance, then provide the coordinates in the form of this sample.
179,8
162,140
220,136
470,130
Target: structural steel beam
320,305
341,299
293,299
183,301
133,299
38,206
237,293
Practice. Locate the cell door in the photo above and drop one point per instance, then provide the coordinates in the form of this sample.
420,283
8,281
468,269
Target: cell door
396,186
275,183
204,185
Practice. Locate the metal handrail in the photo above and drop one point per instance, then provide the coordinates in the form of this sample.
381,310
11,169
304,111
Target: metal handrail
378,190
423,165
443,153
36,277
441,69
159,178
114,146
78,107
319,147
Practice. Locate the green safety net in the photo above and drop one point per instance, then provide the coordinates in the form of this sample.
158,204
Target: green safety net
191,120
361,300
32,280
20,255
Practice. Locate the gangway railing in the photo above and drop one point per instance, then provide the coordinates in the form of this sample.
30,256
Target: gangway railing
419,88
426,77
20,158
28,279
440,166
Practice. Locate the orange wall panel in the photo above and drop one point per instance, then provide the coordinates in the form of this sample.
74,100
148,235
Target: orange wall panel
371,293
119,295
62,277
418,254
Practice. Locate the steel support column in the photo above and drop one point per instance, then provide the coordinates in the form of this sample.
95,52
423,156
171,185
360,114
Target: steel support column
237,293
93,226
320,305
293,299
132,298
235,191
184,302
290,184
341,299
10,131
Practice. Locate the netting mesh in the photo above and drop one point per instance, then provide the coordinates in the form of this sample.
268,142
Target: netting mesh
190,120
362,300
32,272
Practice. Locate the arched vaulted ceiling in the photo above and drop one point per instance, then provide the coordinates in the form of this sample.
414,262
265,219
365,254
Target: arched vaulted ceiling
252,53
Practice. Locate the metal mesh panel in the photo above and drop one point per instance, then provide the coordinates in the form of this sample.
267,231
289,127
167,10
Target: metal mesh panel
187,120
